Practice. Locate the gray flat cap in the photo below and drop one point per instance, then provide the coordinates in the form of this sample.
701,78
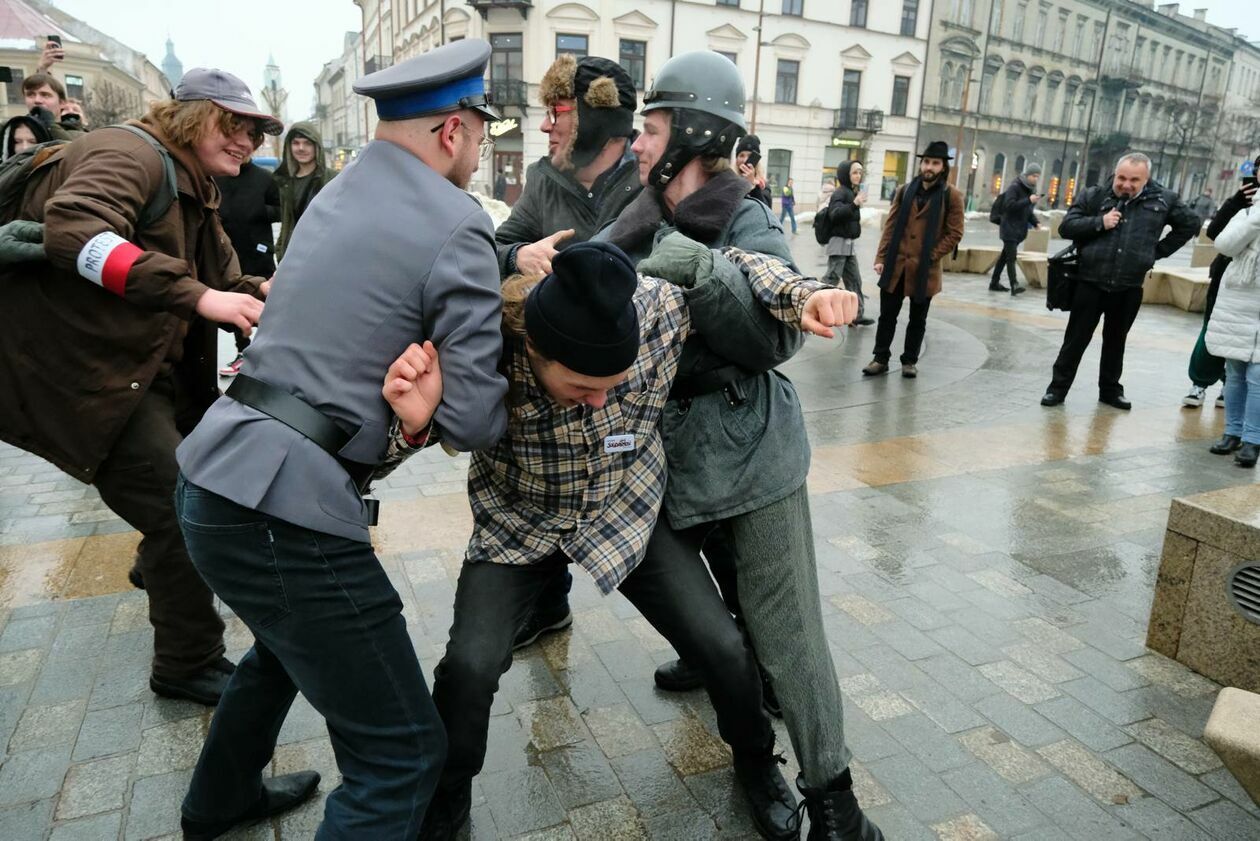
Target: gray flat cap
449,78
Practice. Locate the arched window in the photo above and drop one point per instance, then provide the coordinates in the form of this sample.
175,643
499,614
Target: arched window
947,81
999,169
1019,165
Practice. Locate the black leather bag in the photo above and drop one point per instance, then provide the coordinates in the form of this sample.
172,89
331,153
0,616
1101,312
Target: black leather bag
1062,276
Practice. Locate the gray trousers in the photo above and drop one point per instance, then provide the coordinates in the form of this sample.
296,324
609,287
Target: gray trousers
842,271
776,575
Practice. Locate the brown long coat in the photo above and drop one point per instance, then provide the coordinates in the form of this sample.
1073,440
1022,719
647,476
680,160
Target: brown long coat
76,358
911,251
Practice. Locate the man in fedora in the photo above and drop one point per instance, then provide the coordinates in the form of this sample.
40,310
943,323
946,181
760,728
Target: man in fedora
924,224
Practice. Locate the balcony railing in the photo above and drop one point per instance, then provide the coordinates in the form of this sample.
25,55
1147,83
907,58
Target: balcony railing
866,120
509,92
484,6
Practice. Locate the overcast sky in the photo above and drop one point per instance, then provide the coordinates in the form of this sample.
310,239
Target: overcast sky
238,35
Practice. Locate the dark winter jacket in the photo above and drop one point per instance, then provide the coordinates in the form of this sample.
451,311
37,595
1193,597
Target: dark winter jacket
725,459
250,203
761,194
844,218
295,193
1017,212
1228,210
1121,257
554,201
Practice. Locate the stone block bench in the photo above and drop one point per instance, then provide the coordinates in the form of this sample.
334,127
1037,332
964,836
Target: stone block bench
1203,255
1038,240
1185,289
1206,611
972,259
1035,268
1233,731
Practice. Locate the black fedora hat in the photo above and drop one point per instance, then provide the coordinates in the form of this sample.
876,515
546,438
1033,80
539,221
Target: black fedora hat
938,149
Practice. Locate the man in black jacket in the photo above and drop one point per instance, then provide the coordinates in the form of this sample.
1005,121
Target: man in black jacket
1117,231
1206,369
1017,214
843,221
249,203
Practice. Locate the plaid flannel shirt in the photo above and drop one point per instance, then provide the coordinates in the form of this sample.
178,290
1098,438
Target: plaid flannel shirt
551,485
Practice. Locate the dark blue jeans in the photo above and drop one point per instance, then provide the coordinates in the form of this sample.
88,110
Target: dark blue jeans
328,623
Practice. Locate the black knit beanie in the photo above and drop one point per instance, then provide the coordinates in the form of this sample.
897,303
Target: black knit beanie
582,315
748,143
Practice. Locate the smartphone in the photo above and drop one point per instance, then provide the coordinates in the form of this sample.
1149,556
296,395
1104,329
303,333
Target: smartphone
1250,181
754,158
55,39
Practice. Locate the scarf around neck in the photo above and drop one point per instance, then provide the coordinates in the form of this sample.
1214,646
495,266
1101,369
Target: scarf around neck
932,230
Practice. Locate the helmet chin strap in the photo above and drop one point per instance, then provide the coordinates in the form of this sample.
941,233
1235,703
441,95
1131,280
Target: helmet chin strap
676,157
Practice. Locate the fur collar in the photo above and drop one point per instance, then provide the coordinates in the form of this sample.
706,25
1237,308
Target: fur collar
703,215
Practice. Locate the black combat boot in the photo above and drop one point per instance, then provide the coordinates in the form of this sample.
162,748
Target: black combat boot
772,803
448,812
834,813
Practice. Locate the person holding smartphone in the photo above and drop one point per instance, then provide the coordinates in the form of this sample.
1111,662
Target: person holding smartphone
747,161
1205,368
844,220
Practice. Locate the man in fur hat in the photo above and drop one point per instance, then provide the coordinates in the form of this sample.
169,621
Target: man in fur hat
925,222
587,178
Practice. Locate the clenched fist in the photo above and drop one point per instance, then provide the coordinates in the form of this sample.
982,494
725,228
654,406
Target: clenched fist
413,386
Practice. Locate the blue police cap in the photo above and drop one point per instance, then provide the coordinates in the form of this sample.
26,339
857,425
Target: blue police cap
449,78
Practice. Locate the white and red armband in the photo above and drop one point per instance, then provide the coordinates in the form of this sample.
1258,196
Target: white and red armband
106,259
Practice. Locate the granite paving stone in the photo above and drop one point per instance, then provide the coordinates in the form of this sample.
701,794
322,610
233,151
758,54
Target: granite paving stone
108,731
1100,780
1075,814
155,805
95,828
27,820
1160,777
1191,755
521,800
1155,819
1223,820
1008,759
94,787
1018,720
1083,724
33,774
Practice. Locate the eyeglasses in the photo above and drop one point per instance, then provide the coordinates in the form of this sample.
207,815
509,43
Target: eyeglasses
553,113
485,143
250,126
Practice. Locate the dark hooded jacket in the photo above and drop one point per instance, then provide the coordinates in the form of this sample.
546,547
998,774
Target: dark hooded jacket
41,132
844,218
297,193
1017,212
250,203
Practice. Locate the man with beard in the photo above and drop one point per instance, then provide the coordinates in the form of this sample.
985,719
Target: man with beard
392,253
587,178
925,222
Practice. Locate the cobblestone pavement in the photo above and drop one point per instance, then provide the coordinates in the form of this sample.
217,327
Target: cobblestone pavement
986,568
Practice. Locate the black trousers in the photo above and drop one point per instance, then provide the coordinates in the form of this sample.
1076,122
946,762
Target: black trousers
137,482
1118,309
673,591
889,309
1007,259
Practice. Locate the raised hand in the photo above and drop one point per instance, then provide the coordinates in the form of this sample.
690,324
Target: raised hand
536,257
413,386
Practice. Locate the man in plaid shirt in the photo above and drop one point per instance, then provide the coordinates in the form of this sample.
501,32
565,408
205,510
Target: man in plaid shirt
580,475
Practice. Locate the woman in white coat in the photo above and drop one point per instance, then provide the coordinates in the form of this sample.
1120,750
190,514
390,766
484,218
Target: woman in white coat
1234,333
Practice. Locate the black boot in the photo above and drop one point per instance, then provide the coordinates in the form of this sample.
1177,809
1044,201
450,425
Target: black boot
1226,445
995,285
1016,289
279,794
677,676
546,619
771,802
1247,455
448,812
205,687
834,813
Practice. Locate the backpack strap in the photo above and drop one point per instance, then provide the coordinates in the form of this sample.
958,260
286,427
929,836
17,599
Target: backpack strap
157,205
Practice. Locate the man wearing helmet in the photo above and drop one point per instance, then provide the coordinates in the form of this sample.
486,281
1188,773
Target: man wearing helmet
735,435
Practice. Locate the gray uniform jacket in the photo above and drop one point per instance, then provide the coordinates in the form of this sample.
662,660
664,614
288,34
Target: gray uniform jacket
387,254
726,460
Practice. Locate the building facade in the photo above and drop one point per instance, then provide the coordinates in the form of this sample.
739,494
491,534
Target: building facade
113,81
1071,84
339,112
827,79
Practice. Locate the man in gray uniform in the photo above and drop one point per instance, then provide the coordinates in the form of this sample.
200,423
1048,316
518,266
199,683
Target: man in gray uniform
390,253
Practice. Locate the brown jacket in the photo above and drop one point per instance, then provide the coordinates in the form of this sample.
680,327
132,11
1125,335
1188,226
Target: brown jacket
911,250
76,357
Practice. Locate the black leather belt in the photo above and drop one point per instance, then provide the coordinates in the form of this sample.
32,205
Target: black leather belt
307,421
725,379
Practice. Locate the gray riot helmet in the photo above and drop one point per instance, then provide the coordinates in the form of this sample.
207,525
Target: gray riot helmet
704,92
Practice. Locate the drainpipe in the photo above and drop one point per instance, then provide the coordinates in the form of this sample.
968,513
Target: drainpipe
761,16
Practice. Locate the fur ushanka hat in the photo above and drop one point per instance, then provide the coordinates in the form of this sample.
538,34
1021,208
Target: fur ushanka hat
606,99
